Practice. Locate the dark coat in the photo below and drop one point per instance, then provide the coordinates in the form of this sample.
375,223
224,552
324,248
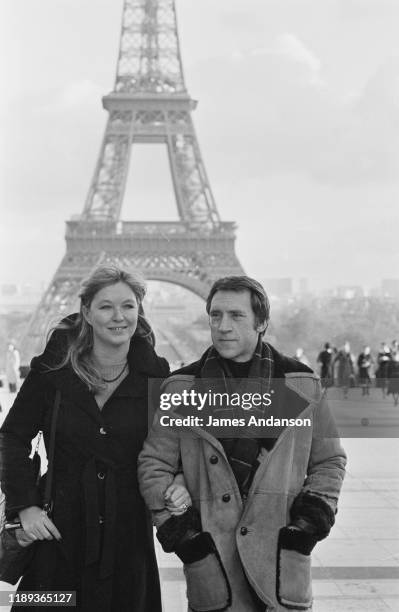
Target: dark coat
393,377
345,368
364,364
325,359
107,552
383,360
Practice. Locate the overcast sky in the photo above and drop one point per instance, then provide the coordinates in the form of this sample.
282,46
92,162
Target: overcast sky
298,122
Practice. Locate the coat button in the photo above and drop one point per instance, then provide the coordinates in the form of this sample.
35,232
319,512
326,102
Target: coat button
244,531
226,497
103,431
101,475
101,519
213,459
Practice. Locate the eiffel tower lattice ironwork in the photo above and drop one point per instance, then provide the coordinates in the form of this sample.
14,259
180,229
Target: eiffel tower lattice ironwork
149,104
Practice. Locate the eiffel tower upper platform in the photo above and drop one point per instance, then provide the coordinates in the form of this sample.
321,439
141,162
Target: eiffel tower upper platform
149,104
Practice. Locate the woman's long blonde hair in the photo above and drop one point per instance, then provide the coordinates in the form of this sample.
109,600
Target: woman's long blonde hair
80,337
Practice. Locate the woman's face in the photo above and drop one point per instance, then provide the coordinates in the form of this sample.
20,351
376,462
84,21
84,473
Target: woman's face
113,315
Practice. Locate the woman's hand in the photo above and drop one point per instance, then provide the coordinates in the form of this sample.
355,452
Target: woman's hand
177,498
36,525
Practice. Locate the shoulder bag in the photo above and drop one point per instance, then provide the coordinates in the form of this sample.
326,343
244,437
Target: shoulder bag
15,557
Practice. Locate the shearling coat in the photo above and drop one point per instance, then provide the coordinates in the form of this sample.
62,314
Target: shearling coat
246,533
107,551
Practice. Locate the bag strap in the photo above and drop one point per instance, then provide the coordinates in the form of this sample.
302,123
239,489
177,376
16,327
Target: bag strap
50,462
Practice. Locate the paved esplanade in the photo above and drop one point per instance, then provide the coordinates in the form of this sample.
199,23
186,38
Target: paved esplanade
357,567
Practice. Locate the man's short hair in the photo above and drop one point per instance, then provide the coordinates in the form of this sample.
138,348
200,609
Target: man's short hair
259,300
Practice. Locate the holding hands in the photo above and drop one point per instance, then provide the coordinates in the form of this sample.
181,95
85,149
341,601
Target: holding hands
177,498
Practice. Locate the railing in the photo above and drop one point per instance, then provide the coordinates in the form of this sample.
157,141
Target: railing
119,229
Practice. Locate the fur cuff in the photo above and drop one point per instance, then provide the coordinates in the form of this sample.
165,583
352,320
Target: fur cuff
172,531
196,548
315,511
294,539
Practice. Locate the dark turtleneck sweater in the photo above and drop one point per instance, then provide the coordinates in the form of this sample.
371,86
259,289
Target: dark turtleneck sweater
237,369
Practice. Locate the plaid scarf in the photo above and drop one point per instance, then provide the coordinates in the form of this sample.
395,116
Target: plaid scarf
215,375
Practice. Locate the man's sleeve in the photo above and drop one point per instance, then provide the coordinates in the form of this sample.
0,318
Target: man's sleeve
158,462
316,505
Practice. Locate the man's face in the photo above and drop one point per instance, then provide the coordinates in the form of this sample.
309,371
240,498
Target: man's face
233,328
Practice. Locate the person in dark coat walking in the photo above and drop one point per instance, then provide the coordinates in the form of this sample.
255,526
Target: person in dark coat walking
99,540
383,361
345,370
393,379
325,358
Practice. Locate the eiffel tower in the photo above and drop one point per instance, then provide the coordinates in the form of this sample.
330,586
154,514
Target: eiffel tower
149,104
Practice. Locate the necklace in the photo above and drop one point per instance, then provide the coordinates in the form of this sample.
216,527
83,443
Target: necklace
111,380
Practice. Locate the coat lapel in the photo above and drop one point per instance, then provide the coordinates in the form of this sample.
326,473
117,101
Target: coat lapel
76,392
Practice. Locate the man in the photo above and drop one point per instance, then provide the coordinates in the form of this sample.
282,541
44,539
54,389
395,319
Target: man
325,359
259,504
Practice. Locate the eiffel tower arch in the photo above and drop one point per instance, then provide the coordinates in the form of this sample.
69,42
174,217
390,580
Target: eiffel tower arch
149,104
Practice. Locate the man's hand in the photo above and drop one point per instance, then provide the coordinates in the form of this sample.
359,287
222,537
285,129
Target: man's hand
36,525
177,499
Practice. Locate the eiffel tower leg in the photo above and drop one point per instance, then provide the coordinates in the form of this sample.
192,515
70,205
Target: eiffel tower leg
193,193
105,197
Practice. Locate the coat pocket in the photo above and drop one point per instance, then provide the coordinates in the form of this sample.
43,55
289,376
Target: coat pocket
208,589
294,586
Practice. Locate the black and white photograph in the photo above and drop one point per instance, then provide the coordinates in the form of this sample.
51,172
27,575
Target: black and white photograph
199,305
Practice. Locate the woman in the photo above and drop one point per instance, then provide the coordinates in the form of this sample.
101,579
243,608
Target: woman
98,540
